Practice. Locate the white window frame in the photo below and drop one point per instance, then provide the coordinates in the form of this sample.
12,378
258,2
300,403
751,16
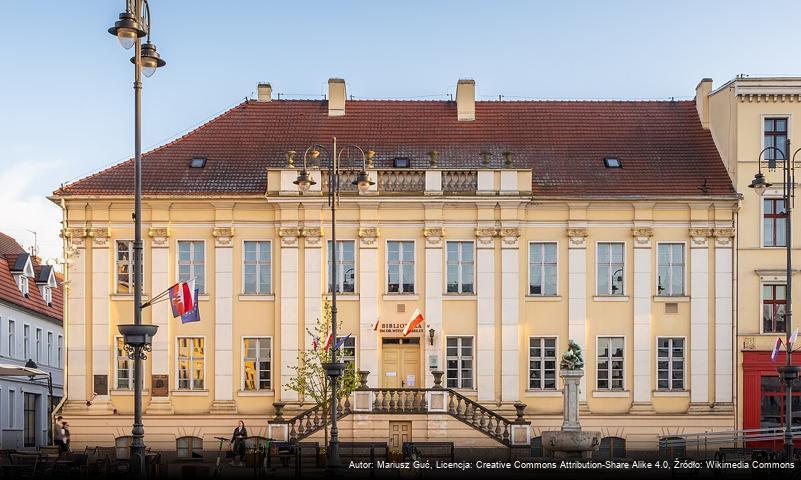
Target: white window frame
342,273
203,290
117,356
685,270
609,378
178,367
130,267
623,269
50,348
22,284
400,279
528,270
11,333
459,358
12,410
258,264
459,264
60,350
555,338
670,363
780,281
272,364
771,194
38,337
26,341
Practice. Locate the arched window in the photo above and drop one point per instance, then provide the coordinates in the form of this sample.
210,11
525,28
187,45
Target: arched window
672,447
189,447
611,447
122,446
536,447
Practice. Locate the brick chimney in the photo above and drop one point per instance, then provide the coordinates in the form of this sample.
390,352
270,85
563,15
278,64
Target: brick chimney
702,92
336,97
265,92
466,100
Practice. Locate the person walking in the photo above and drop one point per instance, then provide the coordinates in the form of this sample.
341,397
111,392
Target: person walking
65,432
58,435
238,442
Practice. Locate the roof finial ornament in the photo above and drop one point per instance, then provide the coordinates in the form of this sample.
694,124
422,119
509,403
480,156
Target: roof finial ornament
290,158
507,159
433,154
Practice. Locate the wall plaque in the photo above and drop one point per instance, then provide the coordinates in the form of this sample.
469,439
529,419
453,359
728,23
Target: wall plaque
101,384
160,385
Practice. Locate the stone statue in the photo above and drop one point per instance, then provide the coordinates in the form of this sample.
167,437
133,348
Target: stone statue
572,359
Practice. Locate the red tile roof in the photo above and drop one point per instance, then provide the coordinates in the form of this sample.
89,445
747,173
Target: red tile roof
661,145
10,250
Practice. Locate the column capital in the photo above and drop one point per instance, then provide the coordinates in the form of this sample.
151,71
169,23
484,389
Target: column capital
642,236
577,237
699,237
313,236
434,236
223,236
485,237
289,236
76,239
723,237
159,236
510,237
368,237
99,235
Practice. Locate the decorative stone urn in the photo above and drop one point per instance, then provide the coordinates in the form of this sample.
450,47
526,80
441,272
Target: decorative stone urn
571,441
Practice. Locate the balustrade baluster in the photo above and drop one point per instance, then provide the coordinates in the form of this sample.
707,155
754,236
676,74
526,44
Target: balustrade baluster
376,403
506,432
292,432
392,400
384,401
497,428
347,405
423,403
451,409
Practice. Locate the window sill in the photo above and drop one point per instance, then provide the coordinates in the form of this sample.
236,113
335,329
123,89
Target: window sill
543,393
203,296
248,297
611,298
670,393
119,392
126,296
344,297
671,299
459,297
543,298
189,393
400,297
255,393
610,393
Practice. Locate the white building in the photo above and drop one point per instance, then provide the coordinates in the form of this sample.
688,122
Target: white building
31,331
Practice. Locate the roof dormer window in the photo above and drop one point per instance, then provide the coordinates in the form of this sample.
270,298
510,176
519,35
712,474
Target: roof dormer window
47,295
22,283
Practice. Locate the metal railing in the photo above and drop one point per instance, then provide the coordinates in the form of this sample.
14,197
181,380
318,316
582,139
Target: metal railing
733,438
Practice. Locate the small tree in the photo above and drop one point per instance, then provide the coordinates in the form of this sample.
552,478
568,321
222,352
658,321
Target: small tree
310,379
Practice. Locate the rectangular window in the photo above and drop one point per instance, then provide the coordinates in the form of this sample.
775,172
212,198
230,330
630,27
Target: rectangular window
776,137
124,366
12,338
22,283
347,352
258,268
774,223
542,268
670,363
38,345
50,348
258,363
60,351
774,301
610,363
125,271
400,267
345,281
541,363
610,268
11,409
670,269
191,263
26,341
459,361
47,295
460,267
191,364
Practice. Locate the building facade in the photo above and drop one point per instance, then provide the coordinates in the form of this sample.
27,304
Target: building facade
746,115
513,227
31,322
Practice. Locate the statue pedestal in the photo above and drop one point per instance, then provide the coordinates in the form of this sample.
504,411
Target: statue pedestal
571,441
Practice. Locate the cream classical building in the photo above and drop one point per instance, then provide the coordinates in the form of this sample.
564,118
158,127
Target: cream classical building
513,226
745,115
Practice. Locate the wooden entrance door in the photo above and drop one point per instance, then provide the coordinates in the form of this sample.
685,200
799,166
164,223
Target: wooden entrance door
399,432
400,363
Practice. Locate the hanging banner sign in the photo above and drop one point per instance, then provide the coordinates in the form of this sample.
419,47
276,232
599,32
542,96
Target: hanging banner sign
398,328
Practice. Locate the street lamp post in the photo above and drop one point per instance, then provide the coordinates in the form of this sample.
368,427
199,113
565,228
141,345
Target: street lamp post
788,373
132,26
363,182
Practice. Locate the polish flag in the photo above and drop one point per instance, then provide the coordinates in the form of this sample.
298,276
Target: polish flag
417,319
328,342
776,348
181,297
793,337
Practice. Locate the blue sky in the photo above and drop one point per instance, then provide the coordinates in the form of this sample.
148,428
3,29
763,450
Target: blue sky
66,104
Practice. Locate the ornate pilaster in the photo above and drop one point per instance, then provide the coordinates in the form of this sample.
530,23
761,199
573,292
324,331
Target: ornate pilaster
100,236
699,318
101,311
290,323
642,236
160,403
577,237
76,239
434,236
223,236
577,293
700,237
724,237
510,237
510,313
368,300
485,237
223,321
368,237
313,285
77,325
159,237
485,297
312,236
724,276
289,236
642,319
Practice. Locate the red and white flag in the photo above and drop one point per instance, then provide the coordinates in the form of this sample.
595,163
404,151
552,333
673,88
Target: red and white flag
793,337
328,342
182,297
417,319
776,348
